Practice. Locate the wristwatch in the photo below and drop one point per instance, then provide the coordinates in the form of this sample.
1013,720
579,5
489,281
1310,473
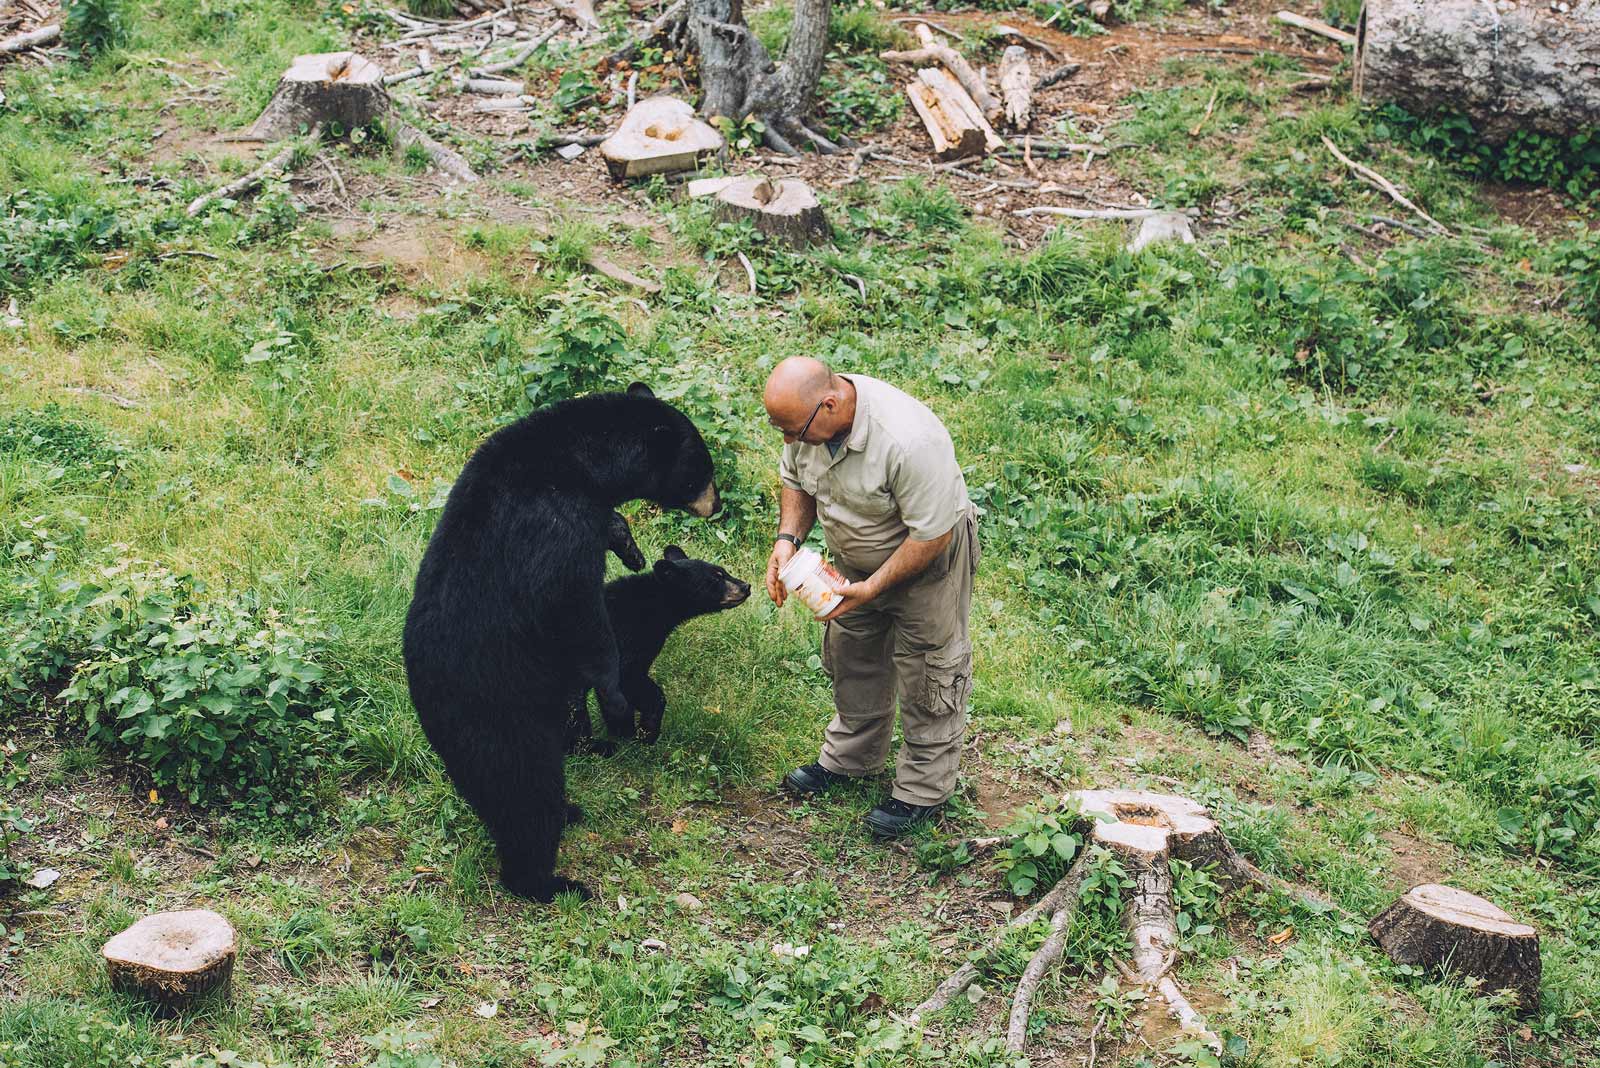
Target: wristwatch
784,535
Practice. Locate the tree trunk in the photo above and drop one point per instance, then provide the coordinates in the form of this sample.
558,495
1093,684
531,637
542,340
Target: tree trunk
1450,930
329,88
739,79
1505,69
173,958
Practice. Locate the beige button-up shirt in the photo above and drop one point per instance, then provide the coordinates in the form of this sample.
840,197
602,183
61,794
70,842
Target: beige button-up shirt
894,476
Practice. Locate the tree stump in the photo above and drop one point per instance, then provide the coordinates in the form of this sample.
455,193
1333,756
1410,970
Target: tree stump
785,208
658,135
1504,68
1449,930
325,88
173,958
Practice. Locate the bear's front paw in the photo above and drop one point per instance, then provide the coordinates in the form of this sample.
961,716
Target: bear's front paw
574,814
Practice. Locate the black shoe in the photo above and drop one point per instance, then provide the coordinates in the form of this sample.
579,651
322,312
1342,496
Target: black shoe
895,818
812,779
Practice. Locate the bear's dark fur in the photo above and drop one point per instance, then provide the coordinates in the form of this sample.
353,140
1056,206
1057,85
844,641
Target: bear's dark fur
508,617
644,610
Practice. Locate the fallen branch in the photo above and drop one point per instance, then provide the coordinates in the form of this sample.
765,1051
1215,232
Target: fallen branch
618,273
517,58
1088,213
1194,131
1378,181
1002,30
32,39
673,15
88,391
270,169
1060,74
1321,29
749,272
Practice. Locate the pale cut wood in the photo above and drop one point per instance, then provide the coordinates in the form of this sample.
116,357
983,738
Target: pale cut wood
1505,68
1321,29
32,39
330,88
173,958
784,208
704,187
658,135
1016,85
1449,930
934,52
954,135
1154,229
939,80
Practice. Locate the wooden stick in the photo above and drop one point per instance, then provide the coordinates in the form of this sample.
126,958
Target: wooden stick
1194,131
1378,181
32,39
1016,85
1321,29
517,58
749,272
618,273
1087,213
665,21
270,169
444,158
1060,74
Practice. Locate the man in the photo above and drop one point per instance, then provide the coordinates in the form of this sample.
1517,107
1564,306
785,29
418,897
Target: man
878,468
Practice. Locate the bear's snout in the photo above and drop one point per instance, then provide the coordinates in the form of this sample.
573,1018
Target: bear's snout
735,593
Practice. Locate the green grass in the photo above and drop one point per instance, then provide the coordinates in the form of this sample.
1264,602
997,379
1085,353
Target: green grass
1309,480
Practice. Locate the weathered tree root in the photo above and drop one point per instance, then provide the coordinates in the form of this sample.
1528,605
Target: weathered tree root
240,186
1146,831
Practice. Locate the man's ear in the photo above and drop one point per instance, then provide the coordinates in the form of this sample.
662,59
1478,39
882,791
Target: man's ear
639,389
672,552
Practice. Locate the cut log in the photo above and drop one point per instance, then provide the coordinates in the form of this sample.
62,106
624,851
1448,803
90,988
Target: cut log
954,135
785,208
173,958
658,135
937,79
1504,68
1016,85
934,52
1448,930
618,273
339,89
32,39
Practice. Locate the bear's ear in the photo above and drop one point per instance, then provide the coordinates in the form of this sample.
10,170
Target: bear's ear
663,566
639,389
672,552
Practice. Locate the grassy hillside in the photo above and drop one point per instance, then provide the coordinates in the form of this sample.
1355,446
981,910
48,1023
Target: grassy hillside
1299,521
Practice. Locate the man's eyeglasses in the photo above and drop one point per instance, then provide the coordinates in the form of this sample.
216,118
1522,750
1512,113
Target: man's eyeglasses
801,436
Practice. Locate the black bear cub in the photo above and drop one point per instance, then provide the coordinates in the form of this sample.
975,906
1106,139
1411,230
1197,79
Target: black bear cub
644,610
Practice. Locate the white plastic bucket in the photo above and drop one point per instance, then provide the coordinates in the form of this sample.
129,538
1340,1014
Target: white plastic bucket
817,585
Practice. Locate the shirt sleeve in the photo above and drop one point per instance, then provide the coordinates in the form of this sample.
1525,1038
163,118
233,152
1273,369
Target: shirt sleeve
787,473
925,481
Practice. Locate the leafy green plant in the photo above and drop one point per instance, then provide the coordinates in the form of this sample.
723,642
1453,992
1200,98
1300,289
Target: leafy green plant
1043,842
1577,260
742,135
856,95
397,1047
433,9
580,349
1570,165
574,90
95,27
46,233
218,697
14,822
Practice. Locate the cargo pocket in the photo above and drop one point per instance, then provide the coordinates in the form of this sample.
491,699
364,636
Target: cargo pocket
949,683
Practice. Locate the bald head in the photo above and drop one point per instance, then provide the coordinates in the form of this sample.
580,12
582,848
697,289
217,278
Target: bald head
800,390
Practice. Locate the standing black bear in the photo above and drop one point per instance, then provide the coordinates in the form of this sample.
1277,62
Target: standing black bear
644,611
508,618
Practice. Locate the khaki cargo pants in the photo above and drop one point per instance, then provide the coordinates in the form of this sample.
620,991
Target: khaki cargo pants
911,643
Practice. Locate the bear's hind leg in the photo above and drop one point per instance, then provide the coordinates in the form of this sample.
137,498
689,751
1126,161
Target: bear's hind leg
646,696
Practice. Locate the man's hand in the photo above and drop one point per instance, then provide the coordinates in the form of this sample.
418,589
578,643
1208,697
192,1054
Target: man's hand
782,553
855,595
